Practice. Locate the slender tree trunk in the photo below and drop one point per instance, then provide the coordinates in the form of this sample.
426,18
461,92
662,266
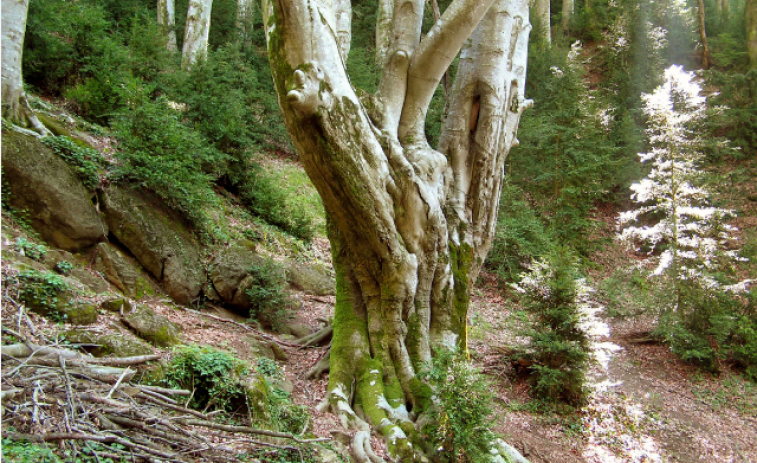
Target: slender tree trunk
244,21
167,21
15,106
703,36
567,14
196,32
750,13
409,226
543,15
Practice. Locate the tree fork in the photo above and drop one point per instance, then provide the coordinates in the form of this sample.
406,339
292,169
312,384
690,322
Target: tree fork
409,226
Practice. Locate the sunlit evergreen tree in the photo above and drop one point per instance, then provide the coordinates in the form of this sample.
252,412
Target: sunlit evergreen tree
675,223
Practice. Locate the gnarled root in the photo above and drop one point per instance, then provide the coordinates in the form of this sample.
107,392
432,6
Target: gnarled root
320,368
361,448
317,337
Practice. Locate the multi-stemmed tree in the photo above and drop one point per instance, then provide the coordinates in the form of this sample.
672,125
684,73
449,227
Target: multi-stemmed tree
409,225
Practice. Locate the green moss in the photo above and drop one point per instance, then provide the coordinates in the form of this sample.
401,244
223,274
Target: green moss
257,398
461,259
53,126
80,313
422,394
163,337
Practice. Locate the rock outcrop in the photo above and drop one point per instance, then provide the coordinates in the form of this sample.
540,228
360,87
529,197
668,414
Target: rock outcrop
41,184
157,237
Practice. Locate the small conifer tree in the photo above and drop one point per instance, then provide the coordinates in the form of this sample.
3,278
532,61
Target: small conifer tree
687,234
561,338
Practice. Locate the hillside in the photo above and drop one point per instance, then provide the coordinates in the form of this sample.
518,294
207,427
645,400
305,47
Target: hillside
174,288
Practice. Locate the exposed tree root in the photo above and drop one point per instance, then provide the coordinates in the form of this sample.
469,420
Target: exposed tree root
316,338
320,368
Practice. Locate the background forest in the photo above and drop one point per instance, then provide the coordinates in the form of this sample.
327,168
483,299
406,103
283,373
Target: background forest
210,142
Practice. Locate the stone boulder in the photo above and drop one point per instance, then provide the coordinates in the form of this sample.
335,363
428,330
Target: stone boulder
122,272
40,182
312,279
119,345
158,238
152,327
230,272
56,297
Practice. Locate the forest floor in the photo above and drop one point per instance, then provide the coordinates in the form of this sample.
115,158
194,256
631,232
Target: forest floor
646,404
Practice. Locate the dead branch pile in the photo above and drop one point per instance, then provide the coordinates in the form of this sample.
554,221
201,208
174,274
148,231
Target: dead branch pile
52,394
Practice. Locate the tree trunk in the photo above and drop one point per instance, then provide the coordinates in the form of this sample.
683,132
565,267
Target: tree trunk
409,226
567,15
167,21
543,16
703,36
244,21
750,13
196,32
15,106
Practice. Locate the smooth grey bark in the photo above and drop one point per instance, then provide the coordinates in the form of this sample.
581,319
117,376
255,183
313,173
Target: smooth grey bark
196,32
567,14
15,107
750,13
409,225
167,21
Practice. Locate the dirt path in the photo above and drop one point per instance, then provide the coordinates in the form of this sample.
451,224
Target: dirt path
648,407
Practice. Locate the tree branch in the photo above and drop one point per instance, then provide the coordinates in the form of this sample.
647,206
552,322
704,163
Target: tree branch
432,58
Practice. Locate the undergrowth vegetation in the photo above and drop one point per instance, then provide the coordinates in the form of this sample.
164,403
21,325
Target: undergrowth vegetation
181,133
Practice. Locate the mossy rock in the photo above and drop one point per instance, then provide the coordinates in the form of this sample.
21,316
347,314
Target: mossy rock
123,272
257,398
21,263
48,189
312,279
230,269
57,128
152,327
119,345
55,256
159,239
298,330
80,313
260,348
279,353
79,337
96,284
117,305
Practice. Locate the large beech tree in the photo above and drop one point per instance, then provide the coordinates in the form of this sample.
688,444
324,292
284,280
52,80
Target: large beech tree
409,225
15,106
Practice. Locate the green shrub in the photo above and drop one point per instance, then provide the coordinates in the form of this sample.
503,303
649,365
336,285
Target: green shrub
157,151
560,342
230,100
269,299
265,195
64,267
712,327
29,249
26,452
85,160
520,236
460,430
215,376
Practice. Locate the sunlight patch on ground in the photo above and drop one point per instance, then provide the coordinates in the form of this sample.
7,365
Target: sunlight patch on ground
616,431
